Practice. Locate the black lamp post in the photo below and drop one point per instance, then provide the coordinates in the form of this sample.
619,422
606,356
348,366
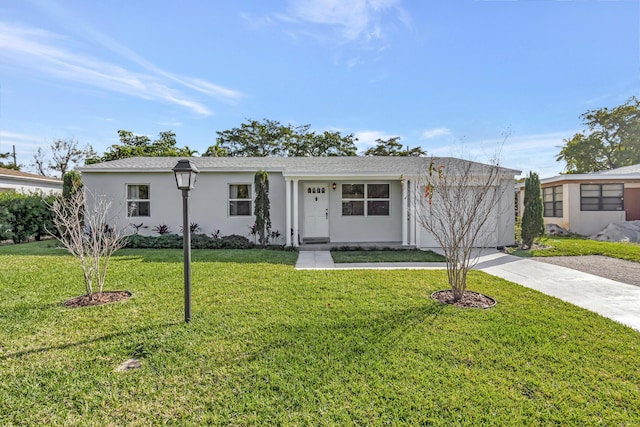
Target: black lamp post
185,173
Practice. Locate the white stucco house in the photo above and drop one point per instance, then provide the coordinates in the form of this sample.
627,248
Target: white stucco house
14,181
339,200
587,203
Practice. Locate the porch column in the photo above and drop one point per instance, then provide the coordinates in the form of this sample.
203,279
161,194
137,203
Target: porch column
416,206
412,213
405,201
287,208
295,212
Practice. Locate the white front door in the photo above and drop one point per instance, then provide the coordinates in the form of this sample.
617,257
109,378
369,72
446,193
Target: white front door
316,210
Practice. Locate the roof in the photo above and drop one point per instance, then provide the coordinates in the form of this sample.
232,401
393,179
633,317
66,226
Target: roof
626,170
625,173
11,173
289,166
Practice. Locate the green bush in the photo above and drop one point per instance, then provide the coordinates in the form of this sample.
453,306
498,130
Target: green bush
198,241
532,225
23,216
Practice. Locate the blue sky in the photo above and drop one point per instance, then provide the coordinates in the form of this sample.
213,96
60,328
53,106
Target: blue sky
453,77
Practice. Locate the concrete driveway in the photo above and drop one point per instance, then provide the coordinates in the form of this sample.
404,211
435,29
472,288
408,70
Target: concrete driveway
615,300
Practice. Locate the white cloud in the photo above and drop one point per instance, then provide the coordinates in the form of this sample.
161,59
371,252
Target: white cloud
536,152
362,21
432,133
45,52
367,138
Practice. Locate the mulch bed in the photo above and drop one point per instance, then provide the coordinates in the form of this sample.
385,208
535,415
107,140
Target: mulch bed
98,299
469,299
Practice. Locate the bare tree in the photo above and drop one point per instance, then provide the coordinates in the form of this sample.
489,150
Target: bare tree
84,230
40,162
65,154
459,200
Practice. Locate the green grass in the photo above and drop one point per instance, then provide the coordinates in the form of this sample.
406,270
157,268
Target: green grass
574,246
385,256
269,345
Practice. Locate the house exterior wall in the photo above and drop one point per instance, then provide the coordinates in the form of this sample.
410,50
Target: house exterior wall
587,223
209,207
499,230
368,228
27,187
208,201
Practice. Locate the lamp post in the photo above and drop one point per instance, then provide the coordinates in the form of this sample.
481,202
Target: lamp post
185,173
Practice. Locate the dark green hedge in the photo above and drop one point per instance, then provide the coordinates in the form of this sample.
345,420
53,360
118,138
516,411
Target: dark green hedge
198,241
23,216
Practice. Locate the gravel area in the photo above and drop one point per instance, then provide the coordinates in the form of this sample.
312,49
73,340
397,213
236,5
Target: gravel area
598,265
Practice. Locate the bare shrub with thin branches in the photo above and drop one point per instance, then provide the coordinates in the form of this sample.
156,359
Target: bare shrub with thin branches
459,201
86,232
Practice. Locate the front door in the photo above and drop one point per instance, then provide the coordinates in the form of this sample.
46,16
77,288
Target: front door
632,203
316,211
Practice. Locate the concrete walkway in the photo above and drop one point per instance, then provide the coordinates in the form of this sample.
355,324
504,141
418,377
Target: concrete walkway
611,299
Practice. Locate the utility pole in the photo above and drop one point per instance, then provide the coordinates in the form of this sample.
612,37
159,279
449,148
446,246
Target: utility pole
15,164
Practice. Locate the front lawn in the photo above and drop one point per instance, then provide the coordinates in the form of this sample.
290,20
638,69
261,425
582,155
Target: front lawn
270,345
575,246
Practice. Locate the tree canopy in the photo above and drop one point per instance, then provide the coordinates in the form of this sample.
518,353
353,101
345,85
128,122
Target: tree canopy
7,165
270,138
391,147
140,145
612,140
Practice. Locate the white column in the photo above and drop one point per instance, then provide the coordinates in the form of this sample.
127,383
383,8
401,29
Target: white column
417,205
412,213
295,212
404,212
287,208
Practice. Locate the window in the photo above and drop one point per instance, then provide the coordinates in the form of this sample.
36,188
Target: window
552,201
138,200
601,197
240,199
352,199
365,199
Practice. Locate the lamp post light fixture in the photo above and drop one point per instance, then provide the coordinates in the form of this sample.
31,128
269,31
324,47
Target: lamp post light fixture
185,173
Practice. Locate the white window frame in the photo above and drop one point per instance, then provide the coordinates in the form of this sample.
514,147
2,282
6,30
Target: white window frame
230,199
365,199
138,199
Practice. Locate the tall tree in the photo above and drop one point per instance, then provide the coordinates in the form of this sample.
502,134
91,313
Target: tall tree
261,208
141,146
532,222
391,147
270,138
612,140
62,156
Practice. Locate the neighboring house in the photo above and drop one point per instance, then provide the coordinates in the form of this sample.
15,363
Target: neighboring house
22,182
340,200
586,203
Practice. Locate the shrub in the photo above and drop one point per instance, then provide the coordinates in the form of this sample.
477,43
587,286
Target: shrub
194,227
532,222
198,241
24,216
161,229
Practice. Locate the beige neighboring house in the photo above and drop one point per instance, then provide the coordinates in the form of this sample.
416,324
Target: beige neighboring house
587,203
13,181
